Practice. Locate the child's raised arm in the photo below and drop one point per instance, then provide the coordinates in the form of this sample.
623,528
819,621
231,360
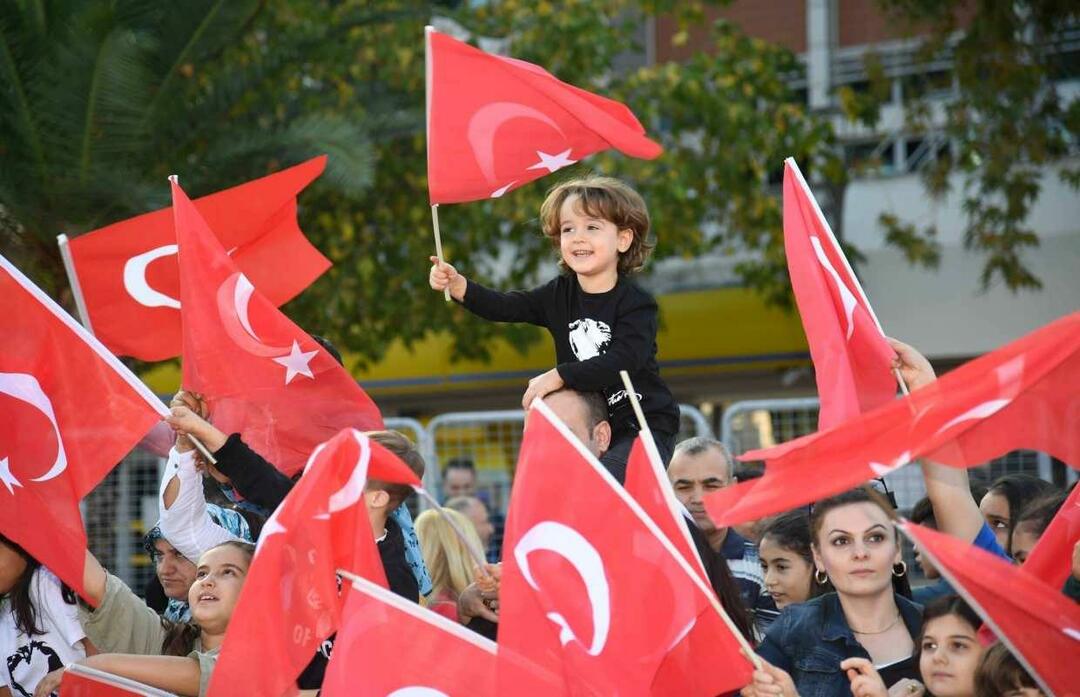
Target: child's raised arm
445,276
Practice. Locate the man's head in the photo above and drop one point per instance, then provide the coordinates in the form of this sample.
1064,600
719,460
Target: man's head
475,510
383,497
585,414
699,466
459,478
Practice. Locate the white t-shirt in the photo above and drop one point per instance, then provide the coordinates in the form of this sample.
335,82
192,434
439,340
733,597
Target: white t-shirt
26,660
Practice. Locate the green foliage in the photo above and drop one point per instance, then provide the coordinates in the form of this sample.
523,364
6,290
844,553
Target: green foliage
1007,123
101,99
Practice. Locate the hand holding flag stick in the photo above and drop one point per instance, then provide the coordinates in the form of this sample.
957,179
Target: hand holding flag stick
658,469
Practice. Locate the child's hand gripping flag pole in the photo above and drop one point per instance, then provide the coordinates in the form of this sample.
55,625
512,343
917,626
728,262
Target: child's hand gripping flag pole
496,123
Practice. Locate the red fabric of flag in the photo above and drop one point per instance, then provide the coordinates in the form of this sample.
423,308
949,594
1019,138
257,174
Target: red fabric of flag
496,123
1040,625
69,412
1024,395
852,359
290,601
263,376
83,681
128,273
1050,560
585,572
389,646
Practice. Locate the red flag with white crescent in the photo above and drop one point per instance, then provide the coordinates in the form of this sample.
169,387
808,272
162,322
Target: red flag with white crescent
378,628
584,570
497,123
127,271
263,376
852,359
1039,624
69,412
1024,395
290,602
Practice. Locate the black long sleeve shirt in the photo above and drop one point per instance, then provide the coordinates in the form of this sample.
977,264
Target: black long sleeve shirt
596,335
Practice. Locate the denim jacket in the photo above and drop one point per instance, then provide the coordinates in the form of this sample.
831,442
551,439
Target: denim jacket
810,639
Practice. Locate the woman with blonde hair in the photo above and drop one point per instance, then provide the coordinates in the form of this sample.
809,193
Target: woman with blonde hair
448,560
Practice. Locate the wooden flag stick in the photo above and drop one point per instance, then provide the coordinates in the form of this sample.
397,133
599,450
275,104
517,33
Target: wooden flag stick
654,459
477,556
73,280
438,242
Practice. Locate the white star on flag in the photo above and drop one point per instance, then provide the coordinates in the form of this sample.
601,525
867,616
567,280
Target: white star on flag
6,477
296,362
553,162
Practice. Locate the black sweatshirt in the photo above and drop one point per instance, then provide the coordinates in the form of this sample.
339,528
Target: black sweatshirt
596,335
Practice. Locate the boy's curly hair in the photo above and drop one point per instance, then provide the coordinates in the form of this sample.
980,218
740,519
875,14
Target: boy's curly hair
608,199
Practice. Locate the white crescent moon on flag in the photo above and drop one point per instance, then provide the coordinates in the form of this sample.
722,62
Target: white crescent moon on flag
846,296
572,546
26,388
135,278
233,298
483,125
353,489
417,691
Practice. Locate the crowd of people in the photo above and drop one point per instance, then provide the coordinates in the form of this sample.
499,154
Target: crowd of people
823,594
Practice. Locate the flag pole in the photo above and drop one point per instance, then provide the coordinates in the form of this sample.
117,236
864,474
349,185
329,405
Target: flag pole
658,468
477,557
427,137
438,243
73,281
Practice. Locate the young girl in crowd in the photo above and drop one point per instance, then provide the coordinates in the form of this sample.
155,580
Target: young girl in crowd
856,548
171,656
449,562
949,654
999,674
39,622
1032,522
1006,498
600,320
787,561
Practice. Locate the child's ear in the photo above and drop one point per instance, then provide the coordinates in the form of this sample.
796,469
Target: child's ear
626,238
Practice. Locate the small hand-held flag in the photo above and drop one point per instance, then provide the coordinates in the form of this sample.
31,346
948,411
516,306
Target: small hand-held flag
69,412
125,277
496,123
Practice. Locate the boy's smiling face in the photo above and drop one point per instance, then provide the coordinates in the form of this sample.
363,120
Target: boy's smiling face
590,246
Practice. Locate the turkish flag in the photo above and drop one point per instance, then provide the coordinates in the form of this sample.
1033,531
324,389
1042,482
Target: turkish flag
130,281
496,123
264,377
1050,560
592,591
1040,625
290,601
69,412
379,629
680,674
852,359
1024,395
84,681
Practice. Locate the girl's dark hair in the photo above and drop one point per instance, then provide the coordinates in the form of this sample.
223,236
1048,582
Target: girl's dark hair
999,673
1040,512
948,605
901,586
180,636
791,531
723,583
1019,490
22,605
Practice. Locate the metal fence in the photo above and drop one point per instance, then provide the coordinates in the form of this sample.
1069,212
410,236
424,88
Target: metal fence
123,507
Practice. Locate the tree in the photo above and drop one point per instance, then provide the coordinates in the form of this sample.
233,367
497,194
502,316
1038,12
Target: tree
1007,123
101,100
